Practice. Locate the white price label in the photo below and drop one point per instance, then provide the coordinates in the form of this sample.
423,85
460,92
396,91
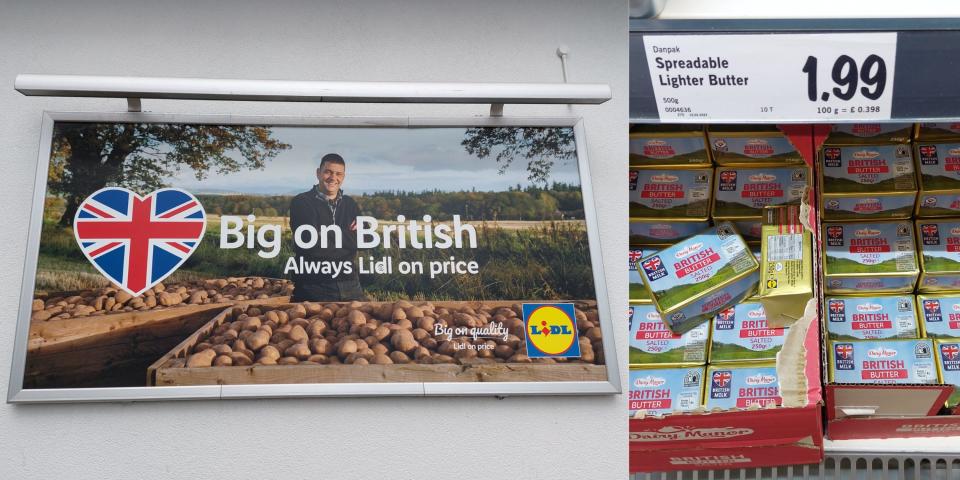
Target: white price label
796,77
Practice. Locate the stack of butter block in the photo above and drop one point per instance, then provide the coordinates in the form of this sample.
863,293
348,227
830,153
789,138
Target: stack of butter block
699,335
892,255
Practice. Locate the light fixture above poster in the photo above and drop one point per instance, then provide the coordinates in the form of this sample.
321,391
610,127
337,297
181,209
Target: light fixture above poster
136,88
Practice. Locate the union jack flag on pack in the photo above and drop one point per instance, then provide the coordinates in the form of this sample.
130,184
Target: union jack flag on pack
135,241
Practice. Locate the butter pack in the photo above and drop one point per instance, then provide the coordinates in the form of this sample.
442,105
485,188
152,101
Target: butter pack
660,391
742,334
786,265
658,195
693,280
939,255
938,131
869,133
883,361
871,318
652,343
662,145
940,315
948,361
938,169
875,257
863,182
743,192
742,386
751,145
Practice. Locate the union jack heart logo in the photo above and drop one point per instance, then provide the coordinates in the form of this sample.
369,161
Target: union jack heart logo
135,241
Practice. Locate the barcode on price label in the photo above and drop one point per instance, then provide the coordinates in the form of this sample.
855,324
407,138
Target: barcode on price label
781,248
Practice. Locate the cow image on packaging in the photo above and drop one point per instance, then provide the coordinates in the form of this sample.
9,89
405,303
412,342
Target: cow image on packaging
862,182
651,342
883,361
871,318
659,391
742,386
869,257
704,272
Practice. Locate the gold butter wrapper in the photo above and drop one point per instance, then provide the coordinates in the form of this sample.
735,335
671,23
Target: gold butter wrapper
751,145
786,265
657,145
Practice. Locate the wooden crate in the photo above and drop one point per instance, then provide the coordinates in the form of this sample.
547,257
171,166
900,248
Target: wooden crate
161,373
111,350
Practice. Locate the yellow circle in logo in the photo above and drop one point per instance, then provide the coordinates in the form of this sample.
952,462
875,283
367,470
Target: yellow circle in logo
555,331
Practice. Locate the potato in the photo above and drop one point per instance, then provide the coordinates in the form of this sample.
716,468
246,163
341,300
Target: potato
222,349
240,359
316,328
299,350
288,361
270,351
503,351
222,361
347,347
257,340
267,361
298,334
399,357
321,359
361,361
381,359
201,359
356,317
594,334
321,346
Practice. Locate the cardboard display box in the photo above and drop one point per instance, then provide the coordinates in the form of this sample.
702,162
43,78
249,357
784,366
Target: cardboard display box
744,438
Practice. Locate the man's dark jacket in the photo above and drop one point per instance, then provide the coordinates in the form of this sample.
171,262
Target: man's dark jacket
311,208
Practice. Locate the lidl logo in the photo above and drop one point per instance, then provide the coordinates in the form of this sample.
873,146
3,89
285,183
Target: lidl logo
551,330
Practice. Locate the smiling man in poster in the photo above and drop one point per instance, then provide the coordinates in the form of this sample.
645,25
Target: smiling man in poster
321,206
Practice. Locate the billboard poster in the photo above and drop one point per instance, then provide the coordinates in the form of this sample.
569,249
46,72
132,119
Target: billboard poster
170,253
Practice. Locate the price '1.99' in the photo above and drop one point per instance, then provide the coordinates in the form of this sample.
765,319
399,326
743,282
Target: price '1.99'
847,76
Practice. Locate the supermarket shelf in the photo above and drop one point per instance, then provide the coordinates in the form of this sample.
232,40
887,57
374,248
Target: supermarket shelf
941,447
924,79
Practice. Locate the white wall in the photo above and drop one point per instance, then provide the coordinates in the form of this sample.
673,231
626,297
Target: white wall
682,9
482,438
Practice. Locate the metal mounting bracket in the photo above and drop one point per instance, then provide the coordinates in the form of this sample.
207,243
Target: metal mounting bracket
134,105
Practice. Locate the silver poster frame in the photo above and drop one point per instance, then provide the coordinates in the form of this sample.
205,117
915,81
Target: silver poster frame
17,394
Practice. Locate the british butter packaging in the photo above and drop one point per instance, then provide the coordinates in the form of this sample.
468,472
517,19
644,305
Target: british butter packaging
658,233
940,315
938,131
938,167
875,257
657,194
863,182
871,318
786,265
746,145
659,145
660,391
742,386
948,360
742,334
693,280
638,292
869,133
939,255
742,193
652,343
883,361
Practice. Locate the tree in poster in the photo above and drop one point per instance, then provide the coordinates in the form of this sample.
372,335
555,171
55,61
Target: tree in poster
541,147
89,156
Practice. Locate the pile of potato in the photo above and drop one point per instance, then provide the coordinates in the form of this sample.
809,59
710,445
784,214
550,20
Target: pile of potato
362,333
111,299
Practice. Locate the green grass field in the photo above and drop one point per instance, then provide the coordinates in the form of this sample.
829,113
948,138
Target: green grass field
727,352
690,158
848,215
639,357
940,264
940,182
673,296
639,292
845,185
692,209
836,265
938,212
787,158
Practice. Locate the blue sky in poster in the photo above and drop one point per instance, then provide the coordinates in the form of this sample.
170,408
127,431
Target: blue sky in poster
378,159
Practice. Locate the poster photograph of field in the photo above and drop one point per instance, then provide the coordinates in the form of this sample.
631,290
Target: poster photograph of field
178,254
